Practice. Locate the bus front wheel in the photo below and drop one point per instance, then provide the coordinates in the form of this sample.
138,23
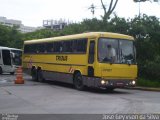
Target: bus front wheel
78,81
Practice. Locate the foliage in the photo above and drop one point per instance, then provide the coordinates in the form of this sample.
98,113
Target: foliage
43,33
147,33
148,83
10,37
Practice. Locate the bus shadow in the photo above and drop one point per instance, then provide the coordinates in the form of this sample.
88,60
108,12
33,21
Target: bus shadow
88,89
105,91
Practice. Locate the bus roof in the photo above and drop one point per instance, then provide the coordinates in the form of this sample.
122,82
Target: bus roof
8,48
82,35
15,49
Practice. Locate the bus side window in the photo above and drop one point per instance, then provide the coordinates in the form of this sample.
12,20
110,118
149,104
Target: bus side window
74,46
79,46
40,48
49,47
67,46
27,49
57,46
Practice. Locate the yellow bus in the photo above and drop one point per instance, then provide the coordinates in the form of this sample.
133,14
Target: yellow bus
94,59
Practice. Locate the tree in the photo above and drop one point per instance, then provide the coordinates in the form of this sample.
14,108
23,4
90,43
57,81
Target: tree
10,37
108,12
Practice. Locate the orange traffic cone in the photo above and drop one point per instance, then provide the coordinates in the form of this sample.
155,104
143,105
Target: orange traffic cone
19,76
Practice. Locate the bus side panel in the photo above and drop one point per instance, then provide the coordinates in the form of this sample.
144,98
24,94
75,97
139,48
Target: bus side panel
56,76
59,67
53,63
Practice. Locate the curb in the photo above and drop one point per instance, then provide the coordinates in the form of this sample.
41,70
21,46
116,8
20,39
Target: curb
145,89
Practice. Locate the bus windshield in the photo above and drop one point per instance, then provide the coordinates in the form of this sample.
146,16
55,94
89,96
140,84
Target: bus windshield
116,51
17,58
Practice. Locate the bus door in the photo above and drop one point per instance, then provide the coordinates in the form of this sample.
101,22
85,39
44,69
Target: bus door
6,60
91,58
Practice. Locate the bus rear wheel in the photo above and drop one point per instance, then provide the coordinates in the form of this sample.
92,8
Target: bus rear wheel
34,74
1,71
40,76
12,73
78,81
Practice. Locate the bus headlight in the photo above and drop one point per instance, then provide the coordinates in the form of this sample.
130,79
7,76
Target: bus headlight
103,82
133,82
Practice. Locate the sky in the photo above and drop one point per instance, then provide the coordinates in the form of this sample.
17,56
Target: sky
33,12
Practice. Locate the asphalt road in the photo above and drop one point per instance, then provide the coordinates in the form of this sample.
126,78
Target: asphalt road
58,98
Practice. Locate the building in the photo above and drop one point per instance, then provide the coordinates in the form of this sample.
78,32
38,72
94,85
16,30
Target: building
10,22
55,24
22,28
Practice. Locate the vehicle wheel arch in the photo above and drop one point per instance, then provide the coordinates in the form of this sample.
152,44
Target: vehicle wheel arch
76,72
34,73
78,80
40,76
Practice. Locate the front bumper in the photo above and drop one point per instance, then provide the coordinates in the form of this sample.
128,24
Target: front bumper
108,83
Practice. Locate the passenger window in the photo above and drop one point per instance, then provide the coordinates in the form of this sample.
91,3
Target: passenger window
80,45
49,47
58,47
40,48
67,46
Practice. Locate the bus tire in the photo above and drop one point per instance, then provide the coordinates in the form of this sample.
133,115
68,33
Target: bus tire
78,81
40,77
34,74
1,71
12,73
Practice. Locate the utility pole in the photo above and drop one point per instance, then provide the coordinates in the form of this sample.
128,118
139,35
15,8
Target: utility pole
92,7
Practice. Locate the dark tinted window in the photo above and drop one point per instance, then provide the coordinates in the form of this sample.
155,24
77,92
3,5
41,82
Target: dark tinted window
28,49
57,47
40,48
80,45
6,57
49,47
70,46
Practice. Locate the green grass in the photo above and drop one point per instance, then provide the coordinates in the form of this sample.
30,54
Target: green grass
148,83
